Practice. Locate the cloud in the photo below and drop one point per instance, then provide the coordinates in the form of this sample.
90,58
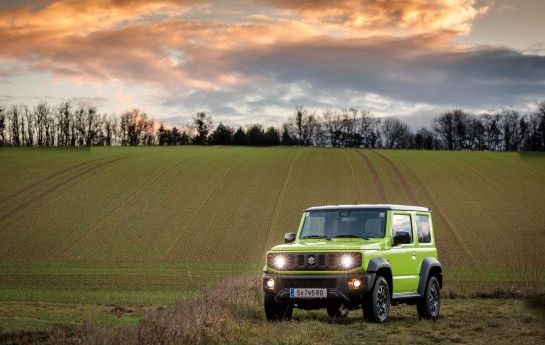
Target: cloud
400,68
261,58
137,39
402,18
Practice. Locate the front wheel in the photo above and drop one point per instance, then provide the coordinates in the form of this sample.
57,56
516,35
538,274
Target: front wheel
429,305
276,311
376,306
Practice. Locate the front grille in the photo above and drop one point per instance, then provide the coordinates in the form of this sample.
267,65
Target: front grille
322,283
314,261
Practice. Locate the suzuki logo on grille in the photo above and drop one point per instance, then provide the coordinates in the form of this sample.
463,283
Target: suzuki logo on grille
311,260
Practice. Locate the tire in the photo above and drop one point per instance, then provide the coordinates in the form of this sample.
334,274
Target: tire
276,311
429,306
337,311
376,306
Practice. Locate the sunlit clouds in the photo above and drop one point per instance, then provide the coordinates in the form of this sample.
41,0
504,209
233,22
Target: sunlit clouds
244,61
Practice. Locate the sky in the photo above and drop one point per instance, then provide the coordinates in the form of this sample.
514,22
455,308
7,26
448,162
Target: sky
254,61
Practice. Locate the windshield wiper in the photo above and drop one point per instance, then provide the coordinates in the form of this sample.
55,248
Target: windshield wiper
315,236
350,236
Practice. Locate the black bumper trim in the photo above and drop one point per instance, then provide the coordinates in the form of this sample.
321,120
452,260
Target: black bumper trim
339,290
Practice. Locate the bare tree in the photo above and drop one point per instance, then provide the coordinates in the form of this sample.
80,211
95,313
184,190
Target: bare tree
64,118
2,126
28,132
492,130
424,139
396,133
41,116
14,125
79,126
135,127
368,129
305,125
444,126
92,125
333,126
299,120
202,124
109,127
511,139
310,127
50,132
477,134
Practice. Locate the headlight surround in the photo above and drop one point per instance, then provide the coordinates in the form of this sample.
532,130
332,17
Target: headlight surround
323,261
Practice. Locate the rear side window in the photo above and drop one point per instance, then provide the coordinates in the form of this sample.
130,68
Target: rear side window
423,229
402,223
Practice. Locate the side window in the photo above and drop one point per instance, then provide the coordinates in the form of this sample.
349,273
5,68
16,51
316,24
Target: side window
423,229
402,223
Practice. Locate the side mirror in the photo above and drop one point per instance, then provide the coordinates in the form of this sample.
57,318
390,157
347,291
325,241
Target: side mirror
402,238
289,237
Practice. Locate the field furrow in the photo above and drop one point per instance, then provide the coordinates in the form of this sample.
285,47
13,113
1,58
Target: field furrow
381,194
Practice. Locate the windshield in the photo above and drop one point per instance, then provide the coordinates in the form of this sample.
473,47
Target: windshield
344,223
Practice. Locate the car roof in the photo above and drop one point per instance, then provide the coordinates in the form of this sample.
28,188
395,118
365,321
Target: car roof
371,207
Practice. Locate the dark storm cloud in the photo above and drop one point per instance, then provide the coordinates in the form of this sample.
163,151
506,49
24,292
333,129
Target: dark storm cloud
403,69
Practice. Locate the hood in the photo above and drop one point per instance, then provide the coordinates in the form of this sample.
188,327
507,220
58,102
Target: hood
319,245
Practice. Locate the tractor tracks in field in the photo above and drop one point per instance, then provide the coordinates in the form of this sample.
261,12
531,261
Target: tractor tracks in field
194,215
47,179
377,183
428,195
354,179
400,177
281,197
56,186
114,209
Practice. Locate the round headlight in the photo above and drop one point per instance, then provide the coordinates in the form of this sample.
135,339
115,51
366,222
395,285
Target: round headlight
347,261
280,261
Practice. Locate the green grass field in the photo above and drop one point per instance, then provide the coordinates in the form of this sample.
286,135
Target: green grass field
233,314
82,230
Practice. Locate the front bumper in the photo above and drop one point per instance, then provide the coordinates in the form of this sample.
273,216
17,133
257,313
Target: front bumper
337,285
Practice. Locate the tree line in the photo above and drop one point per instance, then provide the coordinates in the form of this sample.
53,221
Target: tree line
67,125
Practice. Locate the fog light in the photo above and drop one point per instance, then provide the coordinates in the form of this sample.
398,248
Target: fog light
355,283
270,284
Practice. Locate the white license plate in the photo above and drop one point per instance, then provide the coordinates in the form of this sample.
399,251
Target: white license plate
308,293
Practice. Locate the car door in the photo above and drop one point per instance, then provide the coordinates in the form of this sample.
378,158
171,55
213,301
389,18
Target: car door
403,256
425,246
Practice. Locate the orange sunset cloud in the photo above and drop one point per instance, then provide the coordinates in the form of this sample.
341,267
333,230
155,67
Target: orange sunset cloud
216,52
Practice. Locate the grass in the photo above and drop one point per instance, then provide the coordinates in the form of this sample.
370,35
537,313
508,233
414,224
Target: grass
146,226
233,315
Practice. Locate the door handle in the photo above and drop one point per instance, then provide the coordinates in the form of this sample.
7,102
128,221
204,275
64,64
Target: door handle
414,255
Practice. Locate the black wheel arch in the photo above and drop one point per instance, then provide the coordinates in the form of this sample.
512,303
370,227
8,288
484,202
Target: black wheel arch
430,267
381,267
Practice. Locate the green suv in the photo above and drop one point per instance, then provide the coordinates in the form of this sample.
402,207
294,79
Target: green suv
355,256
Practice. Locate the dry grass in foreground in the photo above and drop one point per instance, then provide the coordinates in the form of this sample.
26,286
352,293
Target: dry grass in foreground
233,314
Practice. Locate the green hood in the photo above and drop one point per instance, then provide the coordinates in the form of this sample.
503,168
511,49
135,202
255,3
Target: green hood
319,245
